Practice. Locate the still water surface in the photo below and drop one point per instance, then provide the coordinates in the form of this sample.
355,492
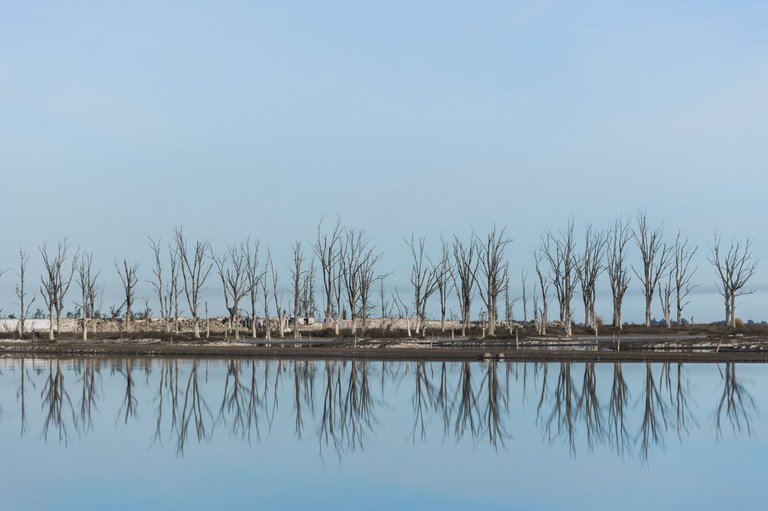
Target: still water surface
215,434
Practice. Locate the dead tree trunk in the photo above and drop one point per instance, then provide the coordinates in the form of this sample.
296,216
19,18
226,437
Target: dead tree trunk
86,281
56,282
618,274
297,274
254,278
326,249
128,278
588,268
544,289
655,254
465,276
21,291
559,250
491,255
443,281
735,268
683,274
194,273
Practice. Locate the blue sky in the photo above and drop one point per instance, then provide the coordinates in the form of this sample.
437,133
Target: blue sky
120,120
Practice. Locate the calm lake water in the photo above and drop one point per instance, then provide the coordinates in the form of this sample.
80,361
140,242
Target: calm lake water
216,434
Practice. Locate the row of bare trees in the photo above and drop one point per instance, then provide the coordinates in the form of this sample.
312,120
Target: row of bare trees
666,270
348,266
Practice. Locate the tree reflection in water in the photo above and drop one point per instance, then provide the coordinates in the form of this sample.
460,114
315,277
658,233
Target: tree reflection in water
466,400
617,405
56,403
194,411
736,403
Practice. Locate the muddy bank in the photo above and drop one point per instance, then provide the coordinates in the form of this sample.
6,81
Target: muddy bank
703,350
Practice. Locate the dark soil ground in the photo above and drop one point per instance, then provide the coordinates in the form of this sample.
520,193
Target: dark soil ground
656,344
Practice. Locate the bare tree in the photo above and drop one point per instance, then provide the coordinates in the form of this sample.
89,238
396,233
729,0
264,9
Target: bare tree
491,256
385,307
277,296
128,278
444,277
734,268
308,301
232,268
194,272
159,284
326,249
656,258
86,281
368,277
618,275
297,274
423,277
268,268
465,275
174,290
21,291
665,290
589,266
544,284
524,292
254,277
559,250
355,250
403,311
683,273
56,282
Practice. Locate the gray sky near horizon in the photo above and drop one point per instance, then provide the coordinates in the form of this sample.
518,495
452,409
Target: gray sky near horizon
255,119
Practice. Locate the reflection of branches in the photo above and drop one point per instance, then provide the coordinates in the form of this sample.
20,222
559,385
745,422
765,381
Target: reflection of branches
496,402
328,421
652,428
55,400
129,399
422,398
168,384
560,422
347,407
253,404
357,416
194,410
89,393
303,381
678,398
736,402
441,399
467,413
619,397
21,396
232,404
588,406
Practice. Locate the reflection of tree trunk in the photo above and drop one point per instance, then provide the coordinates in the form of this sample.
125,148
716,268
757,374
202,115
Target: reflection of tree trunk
56,402
21,395
233,402
467,413
736,403
589,406
89,394
619,398
654,414
495,404
421,400
129,399
195,410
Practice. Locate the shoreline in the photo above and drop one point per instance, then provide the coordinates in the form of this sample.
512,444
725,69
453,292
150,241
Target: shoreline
663,351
